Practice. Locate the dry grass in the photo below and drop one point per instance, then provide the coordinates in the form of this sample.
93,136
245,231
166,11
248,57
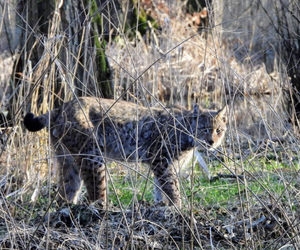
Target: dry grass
173,65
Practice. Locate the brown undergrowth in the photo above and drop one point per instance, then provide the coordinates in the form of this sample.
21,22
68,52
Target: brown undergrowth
149,227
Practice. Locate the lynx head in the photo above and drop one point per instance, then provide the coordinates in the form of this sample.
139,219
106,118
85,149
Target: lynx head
211,127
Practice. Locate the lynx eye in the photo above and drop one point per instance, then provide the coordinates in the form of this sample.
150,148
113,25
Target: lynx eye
218,131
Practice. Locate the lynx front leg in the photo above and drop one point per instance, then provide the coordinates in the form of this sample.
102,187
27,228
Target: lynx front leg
94,176
167,181
69,180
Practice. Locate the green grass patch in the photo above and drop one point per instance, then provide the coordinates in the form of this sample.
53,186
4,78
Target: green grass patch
262,179
223,192
125,190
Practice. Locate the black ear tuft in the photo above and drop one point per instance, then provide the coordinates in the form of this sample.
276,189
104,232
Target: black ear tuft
32,123
196,110
222,114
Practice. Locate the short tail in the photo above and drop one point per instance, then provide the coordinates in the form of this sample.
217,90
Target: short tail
34,124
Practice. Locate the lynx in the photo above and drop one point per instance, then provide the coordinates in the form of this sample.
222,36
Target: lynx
94,130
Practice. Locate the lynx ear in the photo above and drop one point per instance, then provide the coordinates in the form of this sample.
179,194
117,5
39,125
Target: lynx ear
222,114
196,110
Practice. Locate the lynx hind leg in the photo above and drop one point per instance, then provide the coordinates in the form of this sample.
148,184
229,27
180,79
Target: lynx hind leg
166,180
69,179
93,174
158,196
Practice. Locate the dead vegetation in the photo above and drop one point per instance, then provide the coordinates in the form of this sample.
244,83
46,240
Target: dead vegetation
150,227
174,64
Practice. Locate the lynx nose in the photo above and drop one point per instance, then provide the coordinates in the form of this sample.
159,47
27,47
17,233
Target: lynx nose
210,142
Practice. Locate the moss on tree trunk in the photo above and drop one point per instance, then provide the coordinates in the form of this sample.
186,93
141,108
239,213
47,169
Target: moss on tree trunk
103,71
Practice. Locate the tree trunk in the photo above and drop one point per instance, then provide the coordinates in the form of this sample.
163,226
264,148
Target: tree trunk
63,52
